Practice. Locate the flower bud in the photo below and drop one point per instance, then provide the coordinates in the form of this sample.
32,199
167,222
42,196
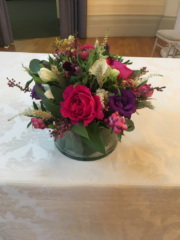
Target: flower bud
113,74
48,94
96,43
46,75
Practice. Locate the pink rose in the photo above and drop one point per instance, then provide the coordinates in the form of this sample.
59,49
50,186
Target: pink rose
145,91
125,72
84,53
79,104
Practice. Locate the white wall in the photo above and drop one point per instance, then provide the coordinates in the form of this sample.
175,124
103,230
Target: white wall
172,7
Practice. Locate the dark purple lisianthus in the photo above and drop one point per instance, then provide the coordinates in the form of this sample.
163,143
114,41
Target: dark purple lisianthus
124,105
107,47
34,94
73,69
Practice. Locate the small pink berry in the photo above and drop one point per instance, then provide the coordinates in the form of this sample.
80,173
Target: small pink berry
117,130
33,120
123,120
124,127
40,121
118,124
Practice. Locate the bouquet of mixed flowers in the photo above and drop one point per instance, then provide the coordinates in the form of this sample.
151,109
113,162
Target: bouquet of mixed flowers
84,89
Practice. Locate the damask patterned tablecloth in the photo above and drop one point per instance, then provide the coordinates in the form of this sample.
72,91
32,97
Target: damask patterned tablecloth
133,194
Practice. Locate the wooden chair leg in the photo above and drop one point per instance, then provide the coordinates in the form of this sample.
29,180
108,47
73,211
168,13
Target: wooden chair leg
154,47
169,49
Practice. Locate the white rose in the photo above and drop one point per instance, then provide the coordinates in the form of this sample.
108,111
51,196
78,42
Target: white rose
46,75
48,94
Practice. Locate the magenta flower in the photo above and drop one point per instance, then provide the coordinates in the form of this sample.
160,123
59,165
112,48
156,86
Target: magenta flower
125,72
145,91
125,105
79,104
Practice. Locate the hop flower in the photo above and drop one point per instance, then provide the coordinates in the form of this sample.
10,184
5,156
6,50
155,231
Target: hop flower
103,95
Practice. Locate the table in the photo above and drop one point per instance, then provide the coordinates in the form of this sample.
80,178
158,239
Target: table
133,194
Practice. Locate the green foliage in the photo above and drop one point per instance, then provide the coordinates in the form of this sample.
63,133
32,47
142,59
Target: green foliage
130,125
95,140
38,80
102,124
85,78
120,136
51,126
35,106
57,93
80,130
43,108
120,59
52,108
28,83
29,124
34,65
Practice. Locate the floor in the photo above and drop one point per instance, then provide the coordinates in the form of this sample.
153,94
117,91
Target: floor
123,46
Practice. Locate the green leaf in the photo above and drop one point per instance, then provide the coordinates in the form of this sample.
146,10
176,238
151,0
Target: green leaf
91,60
120,136
76,84
52,108
120,81
38,80
80,130
34,65
29,124
57,93
85,78
130,125
35,106
102,124
51,126
95,140
43,108
41,66
143,83
28,83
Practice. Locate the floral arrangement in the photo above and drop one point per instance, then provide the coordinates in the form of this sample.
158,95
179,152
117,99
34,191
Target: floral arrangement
85,88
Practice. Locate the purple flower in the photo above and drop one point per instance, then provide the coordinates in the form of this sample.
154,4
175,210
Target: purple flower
73,69
107,47
124,105
34,94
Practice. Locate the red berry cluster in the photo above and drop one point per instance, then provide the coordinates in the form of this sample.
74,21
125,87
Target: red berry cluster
65,75
13,83
60,128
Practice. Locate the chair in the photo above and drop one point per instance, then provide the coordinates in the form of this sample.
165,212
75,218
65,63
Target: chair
172,37
177,48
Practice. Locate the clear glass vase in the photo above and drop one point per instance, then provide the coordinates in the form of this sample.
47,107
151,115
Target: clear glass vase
73,147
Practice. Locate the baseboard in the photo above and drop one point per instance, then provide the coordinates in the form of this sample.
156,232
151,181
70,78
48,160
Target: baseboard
167,22
127,25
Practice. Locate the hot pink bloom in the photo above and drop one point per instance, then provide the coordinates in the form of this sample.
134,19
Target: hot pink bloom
125,72
84,53
79,104
145,91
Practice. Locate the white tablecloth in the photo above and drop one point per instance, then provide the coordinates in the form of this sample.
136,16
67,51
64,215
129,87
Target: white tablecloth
133,194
